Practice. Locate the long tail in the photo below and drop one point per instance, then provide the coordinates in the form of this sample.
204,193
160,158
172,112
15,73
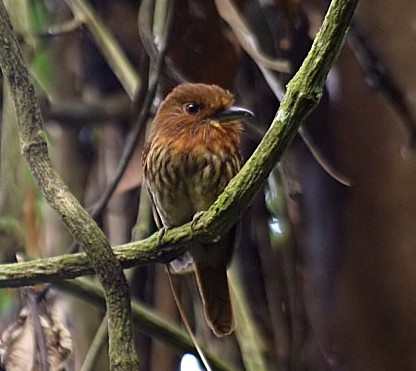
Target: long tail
213,286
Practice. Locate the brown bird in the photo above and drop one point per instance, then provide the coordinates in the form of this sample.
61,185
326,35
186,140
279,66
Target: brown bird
192,153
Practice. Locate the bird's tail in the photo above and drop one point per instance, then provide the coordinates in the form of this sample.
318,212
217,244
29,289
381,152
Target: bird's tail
213,286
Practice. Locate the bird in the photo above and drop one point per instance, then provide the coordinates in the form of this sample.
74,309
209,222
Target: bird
192,152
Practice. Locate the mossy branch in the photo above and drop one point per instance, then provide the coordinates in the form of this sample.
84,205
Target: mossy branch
303,94
85,231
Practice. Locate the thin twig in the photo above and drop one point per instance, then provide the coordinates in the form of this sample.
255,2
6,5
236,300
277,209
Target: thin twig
113,53
149,44
321,159
96,346
186,323
381,79
73,25
230,13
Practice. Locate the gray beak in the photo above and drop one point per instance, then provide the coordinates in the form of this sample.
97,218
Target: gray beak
232,113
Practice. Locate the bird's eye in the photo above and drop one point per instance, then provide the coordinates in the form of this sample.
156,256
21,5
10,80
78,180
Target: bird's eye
191,108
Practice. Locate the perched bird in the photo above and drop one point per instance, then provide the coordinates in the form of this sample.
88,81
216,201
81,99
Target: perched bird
192,152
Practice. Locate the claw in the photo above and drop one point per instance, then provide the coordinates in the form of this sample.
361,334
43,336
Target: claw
161,233
195,219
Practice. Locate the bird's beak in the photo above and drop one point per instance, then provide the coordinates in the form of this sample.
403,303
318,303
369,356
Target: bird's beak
232,113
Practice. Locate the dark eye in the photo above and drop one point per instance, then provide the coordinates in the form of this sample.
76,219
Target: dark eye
191,108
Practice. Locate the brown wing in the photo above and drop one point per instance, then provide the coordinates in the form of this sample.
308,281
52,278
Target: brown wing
156,216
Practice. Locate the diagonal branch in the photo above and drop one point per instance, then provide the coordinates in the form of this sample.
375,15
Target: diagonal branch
78,221
109,47
303,94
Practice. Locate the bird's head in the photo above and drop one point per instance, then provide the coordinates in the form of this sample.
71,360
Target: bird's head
190,107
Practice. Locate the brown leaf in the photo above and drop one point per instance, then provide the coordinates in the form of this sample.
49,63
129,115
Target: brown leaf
18,348
17,344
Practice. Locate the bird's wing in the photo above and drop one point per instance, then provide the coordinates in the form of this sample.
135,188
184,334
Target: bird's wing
156,216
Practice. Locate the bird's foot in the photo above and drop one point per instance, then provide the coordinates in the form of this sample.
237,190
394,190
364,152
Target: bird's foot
161,233
195,219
